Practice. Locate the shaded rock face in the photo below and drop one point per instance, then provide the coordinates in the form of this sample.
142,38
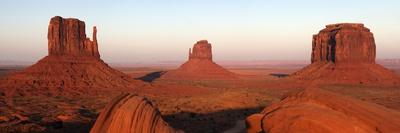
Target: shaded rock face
345,53
201,50
73,66
200,65
317,111
344,43
128,113
68,37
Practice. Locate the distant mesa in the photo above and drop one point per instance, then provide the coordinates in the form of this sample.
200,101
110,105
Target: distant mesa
317,111
73,65
200,65
345,53
129,113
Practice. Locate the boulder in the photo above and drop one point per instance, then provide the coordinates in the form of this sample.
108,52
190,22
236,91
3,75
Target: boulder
129,113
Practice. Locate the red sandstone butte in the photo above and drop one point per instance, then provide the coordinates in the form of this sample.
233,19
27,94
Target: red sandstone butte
200,65
345,53
73,65
129,113
68,37
318,111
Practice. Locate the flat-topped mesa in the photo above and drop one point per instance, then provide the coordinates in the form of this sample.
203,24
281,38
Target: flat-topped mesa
344,43
201,50
67,36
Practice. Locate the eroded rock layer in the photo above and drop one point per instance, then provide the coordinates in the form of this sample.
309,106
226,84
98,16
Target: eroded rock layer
345,53
318,111
129,113
200,65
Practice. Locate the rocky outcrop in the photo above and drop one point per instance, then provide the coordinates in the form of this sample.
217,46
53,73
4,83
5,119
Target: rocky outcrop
200,65
345,53
73,66
68,37
344,43
201,51
129,113
317,111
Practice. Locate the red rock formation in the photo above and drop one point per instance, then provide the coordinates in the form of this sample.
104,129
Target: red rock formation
73,66
200,65
201,50
345,53
344,43
68,37
130,114
318,111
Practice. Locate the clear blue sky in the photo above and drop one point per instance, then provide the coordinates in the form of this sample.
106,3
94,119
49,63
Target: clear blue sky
163,30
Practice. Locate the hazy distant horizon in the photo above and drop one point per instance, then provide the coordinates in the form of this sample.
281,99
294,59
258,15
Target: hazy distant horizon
143,31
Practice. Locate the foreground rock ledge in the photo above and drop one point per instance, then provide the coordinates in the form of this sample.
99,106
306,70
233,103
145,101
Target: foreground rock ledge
318,111
129,113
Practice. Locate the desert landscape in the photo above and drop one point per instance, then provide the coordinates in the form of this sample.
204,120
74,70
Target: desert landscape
340,87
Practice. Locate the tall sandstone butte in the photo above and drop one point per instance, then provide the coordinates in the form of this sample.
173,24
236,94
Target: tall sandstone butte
200,65
68,37
344,43
315,110
345,53
129,113
73,66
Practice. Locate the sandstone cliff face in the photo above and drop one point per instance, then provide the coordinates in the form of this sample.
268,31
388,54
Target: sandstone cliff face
200,65
317,111
68,37
345,53
344,43
130,114
201,50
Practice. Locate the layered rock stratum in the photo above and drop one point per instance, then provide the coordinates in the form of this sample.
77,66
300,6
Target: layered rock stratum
317,111
345,53
129,113
200,65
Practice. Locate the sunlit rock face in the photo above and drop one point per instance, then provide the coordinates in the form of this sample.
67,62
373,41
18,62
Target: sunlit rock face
67,36
129,113
344,43
317,111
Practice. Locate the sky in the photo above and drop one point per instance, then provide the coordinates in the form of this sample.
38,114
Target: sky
164,30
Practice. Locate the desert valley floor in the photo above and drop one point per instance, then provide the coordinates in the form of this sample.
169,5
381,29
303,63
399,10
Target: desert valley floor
189,105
